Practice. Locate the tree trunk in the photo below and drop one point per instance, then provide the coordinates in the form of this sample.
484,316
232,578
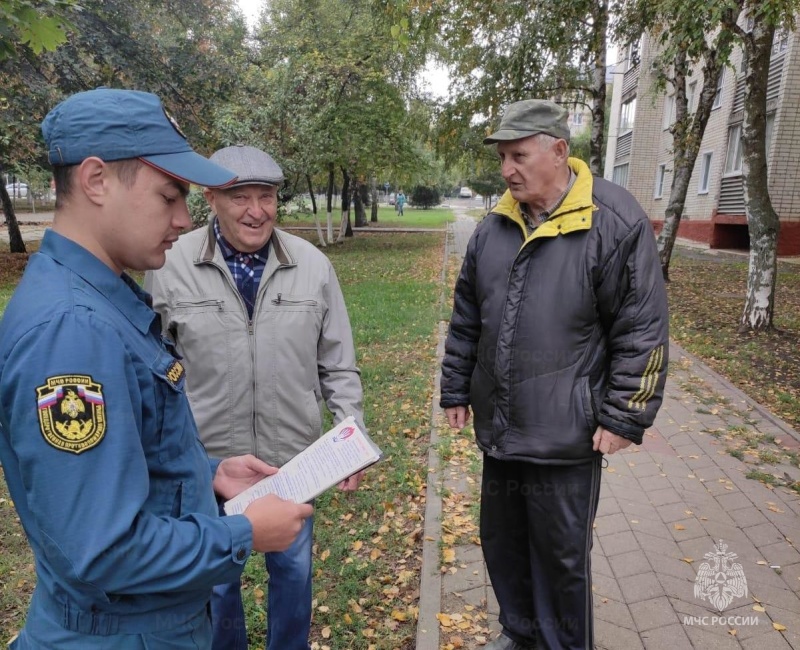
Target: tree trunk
330,201
345,229
600,20
15,243
360,198
314,211
687,134
374,208
762,219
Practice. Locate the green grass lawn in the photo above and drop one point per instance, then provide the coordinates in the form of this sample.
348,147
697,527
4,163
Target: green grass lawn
387,218
367,544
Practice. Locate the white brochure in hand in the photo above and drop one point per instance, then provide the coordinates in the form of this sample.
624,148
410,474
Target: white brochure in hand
341,452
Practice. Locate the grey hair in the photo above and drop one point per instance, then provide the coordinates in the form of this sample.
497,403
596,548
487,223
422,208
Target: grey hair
546,141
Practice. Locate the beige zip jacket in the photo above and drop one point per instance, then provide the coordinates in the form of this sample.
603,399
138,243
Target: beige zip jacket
258,387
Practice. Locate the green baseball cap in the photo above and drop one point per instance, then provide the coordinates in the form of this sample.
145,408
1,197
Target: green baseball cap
529,117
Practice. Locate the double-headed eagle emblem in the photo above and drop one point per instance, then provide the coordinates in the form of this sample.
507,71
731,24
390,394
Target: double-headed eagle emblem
720,580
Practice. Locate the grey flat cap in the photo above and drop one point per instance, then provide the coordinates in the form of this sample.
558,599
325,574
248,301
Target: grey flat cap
526,118
251,165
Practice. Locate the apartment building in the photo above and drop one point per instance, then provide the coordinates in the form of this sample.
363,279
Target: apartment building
639,145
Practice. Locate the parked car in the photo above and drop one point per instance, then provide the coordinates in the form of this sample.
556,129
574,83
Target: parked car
465,193
17,190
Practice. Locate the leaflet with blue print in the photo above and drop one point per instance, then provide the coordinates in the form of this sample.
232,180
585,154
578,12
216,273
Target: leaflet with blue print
341,452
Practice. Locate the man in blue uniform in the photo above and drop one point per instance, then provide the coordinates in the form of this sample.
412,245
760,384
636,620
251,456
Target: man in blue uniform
99,447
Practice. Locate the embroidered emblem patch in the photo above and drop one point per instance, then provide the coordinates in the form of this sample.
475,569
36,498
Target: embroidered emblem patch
175,373
72,412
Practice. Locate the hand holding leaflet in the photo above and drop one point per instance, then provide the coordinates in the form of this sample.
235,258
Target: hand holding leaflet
339,453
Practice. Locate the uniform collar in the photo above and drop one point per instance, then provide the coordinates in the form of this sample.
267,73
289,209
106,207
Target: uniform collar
121,291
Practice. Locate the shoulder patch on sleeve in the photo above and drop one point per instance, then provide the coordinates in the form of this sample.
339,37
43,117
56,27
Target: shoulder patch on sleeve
72,412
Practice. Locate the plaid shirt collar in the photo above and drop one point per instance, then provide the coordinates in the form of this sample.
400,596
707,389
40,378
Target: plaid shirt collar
230,253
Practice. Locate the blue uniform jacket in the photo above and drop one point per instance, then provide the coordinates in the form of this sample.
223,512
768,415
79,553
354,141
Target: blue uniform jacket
101,454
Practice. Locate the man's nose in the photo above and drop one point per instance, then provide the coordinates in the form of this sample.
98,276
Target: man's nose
182,219
506,169
254,207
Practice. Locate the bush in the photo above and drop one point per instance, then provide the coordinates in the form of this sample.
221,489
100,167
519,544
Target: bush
425,197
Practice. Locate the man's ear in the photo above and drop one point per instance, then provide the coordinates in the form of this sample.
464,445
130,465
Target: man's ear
93,179
210,198
561,149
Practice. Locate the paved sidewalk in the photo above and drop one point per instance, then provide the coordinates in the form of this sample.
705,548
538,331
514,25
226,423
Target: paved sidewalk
664,506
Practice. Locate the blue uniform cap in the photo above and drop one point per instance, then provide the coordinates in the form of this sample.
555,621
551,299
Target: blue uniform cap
116,124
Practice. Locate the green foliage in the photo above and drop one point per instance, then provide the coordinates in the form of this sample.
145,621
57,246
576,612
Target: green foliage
425,197
39,26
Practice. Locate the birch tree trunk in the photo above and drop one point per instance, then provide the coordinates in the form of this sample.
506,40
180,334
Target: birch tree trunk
762,219
374,211
599,46
314,211
15,242
330,201
687,134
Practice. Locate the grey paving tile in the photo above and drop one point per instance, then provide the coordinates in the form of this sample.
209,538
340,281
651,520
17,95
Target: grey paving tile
658,482
601,565
733,502
608,505
673,512
658,545
655,528
687,529
763,534
664,497
608,636
640,510
606,587
772,596
678,588
613,611
657,612
781,553
610,524
770,641
705,638
750,515
791,576
671,637
617,543
643,470
630,564
640,587
670,566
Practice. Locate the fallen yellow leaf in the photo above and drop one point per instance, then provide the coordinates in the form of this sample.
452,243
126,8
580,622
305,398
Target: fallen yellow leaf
679,527
779,627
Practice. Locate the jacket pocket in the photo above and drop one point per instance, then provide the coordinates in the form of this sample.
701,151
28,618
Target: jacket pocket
314,416
199,305
288,301
172,407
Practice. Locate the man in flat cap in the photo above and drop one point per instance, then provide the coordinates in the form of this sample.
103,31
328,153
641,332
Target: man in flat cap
260,321
97,442
558,344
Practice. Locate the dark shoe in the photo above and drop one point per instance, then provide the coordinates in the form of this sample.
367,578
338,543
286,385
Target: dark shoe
504,643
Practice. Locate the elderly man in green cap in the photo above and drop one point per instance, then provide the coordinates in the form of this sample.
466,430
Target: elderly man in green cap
558,344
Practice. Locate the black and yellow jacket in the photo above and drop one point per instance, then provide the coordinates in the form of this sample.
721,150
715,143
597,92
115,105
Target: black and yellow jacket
558,332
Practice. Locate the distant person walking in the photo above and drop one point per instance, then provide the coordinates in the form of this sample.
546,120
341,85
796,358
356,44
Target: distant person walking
401,201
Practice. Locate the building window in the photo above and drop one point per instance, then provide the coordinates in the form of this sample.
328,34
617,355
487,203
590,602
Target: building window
669,112
633,54
691,91
733,161
718,97
577,119
660,174
627,115
705,173
780,42
620,176
770,127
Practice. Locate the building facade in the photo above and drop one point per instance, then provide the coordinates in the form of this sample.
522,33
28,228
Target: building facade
639,145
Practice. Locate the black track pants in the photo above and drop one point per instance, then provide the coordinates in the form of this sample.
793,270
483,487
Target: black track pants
536,532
